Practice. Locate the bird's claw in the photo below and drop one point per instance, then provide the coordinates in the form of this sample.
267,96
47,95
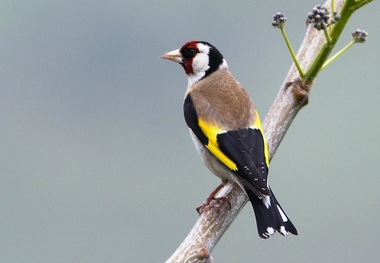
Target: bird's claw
212,202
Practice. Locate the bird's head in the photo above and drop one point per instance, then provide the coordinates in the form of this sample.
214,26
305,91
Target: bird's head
198,59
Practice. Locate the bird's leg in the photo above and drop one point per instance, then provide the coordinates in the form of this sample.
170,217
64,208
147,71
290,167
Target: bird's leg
212,200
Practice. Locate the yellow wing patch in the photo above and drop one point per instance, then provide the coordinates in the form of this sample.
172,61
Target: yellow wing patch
211,131
257,125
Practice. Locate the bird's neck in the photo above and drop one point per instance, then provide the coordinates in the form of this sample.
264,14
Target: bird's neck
198,75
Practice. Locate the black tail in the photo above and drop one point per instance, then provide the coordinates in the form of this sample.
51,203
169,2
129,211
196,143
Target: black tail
270,216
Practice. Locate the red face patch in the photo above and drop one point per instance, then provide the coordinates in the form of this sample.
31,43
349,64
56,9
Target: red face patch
188,51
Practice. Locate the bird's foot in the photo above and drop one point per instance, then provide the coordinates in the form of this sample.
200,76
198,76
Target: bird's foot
213,201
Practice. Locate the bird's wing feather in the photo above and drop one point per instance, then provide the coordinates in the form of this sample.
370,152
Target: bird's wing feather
243,151
246,147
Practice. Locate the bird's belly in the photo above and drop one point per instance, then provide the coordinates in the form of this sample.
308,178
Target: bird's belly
212,163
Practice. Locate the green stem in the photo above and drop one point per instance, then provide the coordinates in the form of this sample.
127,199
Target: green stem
326,49
349,7
338,54
328,38
359,3
294,57
332,6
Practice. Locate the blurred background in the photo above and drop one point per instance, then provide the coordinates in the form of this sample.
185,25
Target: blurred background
96,163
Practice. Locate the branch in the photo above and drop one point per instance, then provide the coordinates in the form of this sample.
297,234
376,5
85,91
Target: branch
292,96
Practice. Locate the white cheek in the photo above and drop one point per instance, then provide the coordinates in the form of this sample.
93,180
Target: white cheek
200,63
200,66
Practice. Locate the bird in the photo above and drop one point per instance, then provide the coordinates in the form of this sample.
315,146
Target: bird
226,129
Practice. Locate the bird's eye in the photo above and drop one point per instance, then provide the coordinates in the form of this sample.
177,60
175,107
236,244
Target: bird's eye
189,52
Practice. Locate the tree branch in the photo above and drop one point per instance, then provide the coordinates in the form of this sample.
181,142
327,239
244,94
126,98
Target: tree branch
292,96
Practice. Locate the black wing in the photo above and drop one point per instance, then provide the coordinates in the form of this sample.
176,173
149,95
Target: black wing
245,147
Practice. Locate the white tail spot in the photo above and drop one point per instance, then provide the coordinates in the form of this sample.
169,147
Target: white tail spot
270,231
266,201
283,231
283,216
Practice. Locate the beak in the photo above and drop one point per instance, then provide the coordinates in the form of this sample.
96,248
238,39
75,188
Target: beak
174,55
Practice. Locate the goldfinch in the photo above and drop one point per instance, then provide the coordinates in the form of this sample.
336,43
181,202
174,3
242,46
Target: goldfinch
226,130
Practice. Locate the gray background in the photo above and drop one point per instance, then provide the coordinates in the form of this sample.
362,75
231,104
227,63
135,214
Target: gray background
96,164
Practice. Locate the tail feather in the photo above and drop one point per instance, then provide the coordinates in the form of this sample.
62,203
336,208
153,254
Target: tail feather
269,216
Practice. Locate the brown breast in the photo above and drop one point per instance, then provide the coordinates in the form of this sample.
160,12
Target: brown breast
219,98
